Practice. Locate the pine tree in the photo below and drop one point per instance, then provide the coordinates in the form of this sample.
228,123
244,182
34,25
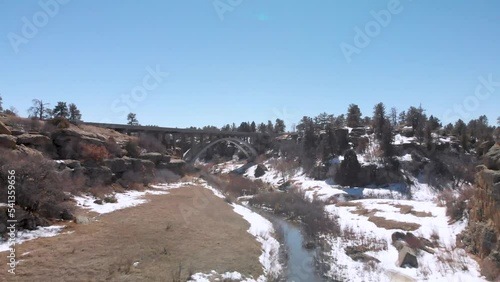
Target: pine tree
253,127
402,118
270,126
460,130
1,106
74,113
132,119
262,128
279,126
61,110
379,120
353,116
386,139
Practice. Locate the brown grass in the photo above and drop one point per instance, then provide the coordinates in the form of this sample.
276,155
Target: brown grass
350,204
183,227
392,224
365,212
405,209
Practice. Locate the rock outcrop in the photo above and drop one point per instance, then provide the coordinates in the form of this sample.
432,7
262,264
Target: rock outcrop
482,236
7,141
33,139
407,257
260,170
4,129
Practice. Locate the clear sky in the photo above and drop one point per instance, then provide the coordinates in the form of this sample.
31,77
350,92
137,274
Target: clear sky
250,60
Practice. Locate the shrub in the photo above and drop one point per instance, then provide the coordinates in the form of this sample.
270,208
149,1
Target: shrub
91,152
59,122
132,149
237,186
113,148
110,199
456,204
294,204
40,188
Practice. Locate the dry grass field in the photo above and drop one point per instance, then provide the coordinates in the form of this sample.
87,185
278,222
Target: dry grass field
189,229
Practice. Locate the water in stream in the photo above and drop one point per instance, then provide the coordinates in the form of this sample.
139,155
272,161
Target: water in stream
300,261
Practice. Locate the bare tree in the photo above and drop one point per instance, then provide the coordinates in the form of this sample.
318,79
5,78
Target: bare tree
394,117
39,110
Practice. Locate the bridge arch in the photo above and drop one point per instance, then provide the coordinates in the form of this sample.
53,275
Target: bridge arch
242,145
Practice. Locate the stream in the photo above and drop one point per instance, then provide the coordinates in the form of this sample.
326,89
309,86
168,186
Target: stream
299,260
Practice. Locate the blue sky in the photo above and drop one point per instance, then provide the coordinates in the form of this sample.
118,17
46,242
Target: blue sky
250,60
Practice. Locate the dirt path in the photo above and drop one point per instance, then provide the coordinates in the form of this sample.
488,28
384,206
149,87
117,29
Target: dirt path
189,226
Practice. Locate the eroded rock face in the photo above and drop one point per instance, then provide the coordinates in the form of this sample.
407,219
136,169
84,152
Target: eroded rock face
482,236
155,157
492,158
117,165
7,141
4,129
69,143
98,175
33,139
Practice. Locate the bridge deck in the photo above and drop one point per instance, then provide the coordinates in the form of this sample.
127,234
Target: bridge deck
171,130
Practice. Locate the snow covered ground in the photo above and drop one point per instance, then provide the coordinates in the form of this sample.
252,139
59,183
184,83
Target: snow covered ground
27,235
447,264
127,199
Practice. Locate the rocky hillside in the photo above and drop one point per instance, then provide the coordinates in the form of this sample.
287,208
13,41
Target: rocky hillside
482,237
54,159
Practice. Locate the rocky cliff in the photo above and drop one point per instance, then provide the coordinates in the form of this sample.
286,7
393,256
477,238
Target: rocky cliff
482,236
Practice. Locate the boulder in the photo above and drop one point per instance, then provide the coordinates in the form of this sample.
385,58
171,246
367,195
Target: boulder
27,151
17,132
484,147
4,129
82,220
492,158
407,257
69,142
396,236
33,139
148,165
7,141
155,157
260,170
116,165
66,215
149,169
137,165
99,175
358,131
407,131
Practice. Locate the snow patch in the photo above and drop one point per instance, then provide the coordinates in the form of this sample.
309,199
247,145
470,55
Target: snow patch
27,235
